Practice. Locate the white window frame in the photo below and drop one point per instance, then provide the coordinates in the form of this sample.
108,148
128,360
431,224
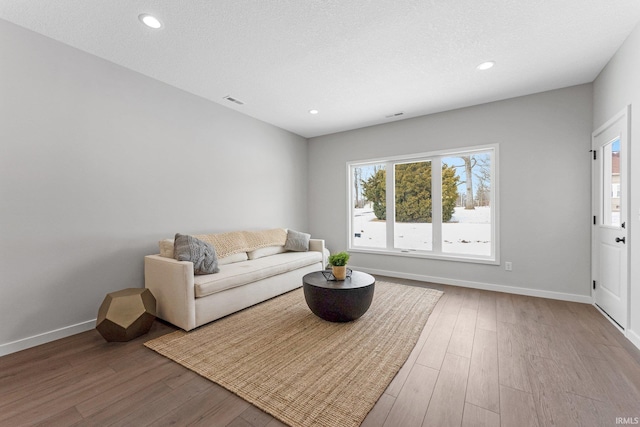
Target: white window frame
436,188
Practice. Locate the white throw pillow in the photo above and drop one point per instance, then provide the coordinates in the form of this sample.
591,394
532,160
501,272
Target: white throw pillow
239,257
263,252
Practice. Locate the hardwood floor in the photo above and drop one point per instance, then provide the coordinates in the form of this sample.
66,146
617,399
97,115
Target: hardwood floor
483,359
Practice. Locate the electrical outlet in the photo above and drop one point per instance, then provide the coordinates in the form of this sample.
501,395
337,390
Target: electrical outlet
508,266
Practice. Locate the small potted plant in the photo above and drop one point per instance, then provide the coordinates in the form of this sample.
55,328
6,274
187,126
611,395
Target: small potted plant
338,264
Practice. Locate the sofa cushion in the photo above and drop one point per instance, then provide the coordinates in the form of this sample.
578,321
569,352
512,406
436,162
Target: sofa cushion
297,241
268,251
201,254
239,257
242,273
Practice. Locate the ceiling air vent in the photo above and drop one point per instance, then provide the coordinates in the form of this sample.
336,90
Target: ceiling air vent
391,116
234,100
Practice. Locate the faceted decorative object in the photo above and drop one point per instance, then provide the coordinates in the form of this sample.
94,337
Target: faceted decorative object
126,314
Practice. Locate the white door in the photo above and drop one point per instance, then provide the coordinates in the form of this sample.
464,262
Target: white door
610,237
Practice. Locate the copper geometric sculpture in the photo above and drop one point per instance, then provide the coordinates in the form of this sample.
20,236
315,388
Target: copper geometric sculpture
126,314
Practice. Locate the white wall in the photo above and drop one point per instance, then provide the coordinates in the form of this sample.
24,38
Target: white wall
97,163
617,86
544,189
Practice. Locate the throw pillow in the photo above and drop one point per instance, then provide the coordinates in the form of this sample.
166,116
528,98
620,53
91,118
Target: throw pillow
268,251
297,241
239,257
201,254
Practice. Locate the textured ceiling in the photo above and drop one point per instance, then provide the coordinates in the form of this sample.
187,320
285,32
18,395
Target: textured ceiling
355,61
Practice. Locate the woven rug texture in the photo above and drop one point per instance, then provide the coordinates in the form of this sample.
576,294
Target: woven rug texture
299,368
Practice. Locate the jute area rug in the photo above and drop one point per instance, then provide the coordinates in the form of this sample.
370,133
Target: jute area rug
299,368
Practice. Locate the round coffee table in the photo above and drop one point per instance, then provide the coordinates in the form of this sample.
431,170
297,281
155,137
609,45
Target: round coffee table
341,300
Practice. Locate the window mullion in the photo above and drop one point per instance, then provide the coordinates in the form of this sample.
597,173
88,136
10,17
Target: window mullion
391,203
436,203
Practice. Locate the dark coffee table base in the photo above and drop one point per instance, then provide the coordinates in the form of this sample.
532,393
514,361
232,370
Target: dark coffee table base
337,304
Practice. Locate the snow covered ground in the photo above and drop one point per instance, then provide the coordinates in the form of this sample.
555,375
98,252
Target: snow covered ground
469,232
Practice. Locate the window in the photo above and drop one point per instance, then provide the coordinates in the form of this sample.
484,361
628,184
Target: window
611,176
440,205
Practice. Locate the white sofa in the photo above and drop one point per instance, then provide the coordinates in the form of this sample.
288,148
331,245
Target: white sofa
245,278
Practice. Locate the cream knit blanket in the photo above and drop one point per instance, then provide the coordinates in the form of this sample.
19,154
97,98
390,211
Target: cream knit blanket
244,241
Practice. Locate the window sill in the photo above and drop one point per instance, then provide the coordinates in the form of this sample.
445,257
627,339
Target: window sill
474,259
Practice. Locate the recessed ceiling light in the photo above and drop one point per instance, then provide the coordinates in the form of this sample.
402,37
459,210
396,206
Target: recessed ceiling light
486,65
313,111
150,21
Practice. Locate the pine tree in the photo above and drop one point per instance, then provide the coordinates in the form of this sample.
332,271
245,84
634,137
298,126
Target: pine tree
413,192
450,182
374,190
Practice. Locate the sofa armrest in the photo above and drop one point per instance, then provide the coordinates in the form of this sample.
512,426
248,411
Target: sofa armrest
317,245
171,283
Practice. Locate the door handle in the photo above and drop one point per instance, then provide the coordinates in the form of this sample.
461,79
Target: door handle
620,239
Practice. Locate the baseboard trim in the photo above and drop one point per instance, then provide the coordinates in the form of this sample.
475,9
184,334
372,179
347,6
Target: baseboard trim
633,337
25,343
480,285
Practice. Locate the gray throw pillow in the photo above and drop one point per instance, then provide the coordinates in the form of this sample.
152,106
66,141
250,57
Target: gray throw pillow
297,241
201,254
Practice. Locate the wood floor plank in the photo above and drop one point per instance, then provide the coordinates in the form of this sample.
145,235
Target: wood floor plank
512,339
378,415
224,414
572,331
579,380
566,317
630,369
435,348
152,410
529,309
49,352
29,375
256,417
622,395
487,313
505,311
589,412
65,418
513,371
447,402
544,311
186,413
483,388
513,363
276,423
180,378
461,342
410,406
475,416
548,384
517,408
124,385
111,350
53,400
584,342
471,299
398,381
604,333
21,385
239,422
121,408
549,341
